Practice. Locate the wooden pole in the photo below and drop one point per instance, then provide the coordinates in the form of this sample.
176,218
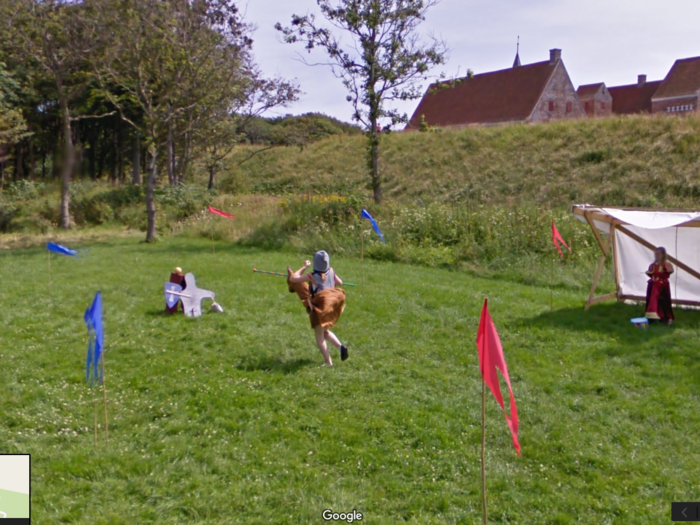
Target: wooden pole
483,449
551,298
94,406
362,258
49,258
104,396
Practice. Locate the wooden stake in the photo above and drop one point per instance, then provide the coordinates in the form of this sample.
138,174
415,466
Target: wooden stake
483,449
104,396
49,257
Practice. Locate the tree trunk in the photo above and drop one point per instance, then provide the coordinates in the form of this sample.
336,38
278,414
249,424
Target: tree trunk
150,192
136,160
212,170
32,159
373,162
68,164
170,155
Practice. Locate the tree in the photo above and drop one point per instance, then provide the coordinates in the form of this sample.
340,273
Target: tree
47,34
159,57
13,127
225,125
386,61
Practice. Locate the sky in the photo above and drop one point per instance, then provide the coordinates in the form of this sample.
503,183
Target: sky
609,41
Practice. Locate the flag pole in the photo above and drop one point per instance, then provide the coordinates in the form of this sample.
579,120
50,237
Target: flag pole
362,258
483,448
94,407
104,396
551,298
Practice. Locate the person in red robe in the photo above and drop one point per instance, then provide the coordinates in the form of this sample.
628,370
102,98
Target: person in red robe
658,306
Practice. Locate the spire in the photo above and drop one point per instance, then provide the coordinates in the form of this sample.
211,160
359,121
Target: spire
516,62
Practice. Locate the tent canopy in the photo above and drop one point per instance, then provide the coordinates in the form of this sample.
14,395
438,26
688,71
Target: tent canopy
630,238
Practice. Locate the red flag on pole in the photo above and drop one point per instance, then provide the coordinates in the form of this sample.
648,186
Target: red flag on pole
491,359
222,213
556,239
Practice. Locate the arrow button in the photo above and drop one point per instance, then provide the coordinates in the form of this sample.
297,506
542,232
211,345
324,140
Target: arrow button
685,512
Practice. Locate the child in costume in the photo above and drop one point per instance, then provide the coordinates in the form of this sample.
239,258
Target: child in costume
658,305
323,301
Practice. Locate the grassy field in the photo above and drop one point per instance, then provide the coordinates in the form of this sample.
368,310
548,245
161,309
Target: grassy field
232,419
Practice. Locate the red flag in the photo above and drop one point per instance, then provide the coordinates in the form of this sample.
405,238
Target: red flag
222,213
556,239
491,359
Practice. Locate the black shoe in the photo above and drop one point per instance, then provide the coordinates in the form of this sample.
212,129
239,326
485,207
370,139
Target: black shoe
343,352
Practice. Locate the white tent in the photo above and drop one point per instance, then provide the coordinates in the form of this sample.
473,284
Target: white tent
630,236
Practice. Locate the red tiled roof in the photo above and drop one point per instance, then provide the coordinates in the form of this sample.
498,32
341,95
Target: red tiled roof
683,79
500,96
633,98
589,90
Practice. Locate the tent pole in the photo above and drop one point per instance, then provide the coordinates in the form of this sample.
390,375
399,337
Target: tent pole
598,271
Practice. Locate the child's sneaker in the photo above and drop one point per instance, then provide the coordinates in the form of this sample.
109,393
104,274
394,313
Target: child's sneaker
343,352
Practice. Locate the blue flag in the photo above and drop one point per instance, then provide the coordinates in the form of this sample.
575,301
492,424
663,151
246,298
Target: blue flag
93,320
61,249
366,215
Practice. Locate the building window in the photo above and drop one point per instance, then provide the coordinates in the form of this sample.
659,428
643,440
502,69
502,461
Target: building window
568,107
588,107
551,105
602,105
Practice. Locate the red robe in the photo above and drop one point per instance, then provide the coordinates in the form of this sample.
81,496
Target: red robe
659,294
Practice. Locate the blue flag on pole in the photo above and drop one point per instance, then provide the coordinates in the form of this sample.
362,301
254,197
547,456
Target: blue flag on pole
366,215
57,248
93,320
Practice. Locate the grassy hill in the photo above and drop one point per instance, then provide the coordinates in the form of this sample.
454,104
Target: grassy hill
631,161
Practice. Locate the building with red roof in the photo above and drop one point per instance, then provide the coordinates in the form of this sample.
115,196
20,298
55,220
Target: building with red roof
679,91
633,98
596,99
537,92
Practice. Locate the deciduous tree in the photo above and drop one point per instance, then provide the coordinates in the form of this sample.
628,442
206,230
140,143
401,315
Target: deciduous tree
384,59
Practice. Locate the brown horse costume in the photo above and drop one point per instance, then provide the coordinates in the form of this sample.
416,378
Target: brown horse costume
324,308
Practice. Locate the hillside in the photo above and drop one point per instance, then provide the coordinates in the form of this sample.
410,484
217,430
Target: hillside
633,161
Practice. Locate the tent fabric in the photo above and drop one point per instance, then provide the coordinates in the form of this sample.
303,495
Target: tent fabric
677,231
652,220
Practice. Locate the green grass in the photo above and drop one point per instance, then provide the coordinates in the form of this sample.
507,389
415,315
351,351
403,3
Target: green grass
649,161
232,419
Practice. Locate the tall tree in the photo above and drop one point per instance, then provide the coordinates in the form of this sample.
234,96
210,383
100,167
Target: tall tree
386,59
162,55
47,34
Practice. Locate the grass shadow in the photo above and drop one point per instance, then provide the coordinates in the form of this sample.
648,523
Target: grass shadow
276,365
611,318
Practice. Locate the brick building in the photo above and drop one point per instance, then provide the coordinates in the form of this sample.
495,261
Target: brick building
537,92
596,99
679,91
633,98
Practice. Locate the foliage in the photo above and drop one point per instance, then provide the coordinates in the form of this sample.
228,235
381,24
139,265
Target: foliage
385,62
13,126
